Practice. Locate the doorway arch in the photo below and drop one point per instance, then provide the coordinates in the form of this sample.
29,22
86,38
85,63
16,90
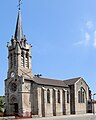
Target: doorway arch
13,105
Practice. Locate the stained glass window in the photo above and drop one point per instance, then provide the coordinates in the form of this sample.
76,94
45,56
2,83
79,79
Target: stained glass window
81,95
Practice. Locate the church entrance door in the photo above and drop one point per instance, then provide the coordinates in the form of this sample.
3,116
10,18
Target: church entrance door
14,105
16,108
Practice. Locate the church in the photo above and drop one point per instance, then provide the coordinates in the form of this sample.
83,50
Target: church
27,94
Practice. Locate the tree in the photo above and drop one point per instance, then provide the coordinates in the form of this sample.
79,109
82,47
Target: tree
1,104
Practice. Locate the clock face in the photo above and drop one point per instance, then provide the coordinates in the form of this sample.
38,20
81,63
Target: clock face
12,74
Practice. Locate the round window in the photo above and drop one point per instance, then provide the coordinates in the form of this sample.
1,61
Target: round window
13,87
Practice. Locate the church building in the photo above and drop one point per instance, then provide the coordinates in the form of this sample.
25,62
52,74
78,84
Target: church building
27,94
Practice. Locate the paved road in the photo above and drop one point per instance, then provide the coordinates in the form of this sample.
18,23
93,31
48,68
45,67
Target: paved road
72,117
67,117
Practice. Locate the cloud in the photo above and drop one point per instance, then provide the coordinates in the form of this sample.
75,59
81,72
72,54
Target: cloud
88,35
79,42
89,25
85,41
94,44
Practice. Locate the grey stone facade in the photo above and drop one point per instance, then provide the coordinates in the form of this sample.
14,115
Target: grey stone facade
26,94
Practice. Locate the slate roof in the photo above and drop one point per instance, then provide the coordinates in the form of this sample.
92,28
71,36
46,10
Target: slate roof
54,82
71,81
50,82
19,28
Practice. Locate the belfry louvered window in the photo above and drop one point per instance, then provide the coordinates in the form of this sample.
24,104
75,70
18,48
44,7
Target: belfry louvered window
14,59
26,61
11,60
22,59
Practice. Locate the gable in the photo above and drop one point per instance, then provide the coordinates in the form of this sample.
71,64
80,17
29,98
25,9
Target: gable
71,81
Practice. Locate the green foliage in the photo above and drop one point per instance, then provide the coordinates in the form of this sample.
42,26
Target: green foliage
2,103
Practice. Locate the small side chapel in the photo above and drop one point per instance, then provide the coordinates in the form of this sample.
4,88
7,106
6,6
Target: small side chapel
26,94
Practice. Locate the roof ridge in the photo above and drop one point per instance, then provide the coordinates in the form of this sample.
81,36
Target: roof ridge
72,78
48,78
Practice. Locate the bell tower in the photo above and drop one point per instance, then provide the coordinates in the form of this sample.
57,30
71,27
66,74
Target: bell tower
19,69
19,53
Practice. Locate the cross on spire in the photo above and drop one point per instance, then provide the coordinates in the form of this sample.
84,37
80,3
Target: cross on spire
19,4
19,28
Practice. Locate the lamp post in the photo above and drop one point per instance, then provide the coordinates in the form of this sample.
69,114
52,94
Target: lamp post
93,104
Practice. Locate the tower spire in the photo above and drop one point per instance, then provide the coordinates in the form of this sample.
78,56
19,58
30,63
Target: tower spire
19,28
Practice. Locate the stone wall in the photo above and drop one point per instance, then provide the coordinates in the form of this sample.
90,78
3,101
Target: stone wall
52,108
81,108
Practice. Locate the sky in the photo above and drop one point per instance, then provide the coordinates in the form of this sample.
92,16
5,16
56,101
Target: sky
63,35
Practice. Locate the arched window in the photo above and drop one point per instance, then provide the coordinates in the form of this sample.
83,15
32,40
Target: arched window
67,96
48,96
26,60
58,96
11,60
81,95
22,59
